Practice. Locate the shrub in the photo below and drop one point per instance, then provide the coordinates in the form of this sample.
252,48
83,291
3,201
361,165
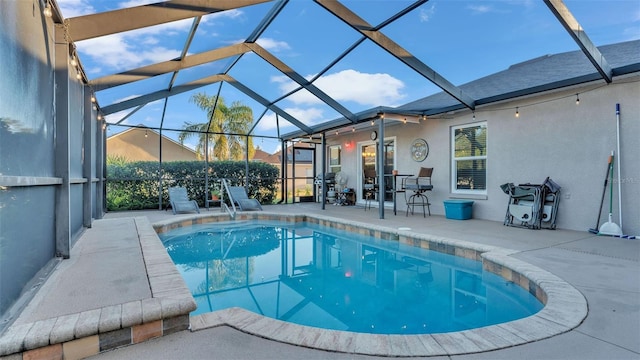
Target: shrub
139,185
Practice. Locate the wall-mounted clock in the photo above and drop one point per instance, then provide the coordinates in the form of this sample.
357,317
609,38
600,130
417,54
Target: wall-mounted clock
374,135
419,149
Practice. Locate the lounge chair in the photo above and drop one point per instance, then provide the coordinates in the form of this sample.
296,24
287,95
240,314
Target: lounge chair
180,202
239,196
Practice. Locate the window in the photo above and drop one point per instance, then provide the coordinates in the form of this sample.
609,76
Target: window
334,158
469,159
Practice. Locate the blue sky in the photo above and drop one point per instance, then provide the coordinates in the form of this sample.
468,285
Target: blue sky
461,40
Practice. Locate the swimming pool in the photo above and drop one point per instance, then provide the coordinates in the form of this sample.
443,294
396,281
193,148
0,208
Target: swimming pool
314,275
564,306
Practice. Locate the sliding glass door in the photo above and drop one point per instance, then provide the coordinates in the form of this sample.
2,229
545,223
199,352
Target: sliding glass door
368,169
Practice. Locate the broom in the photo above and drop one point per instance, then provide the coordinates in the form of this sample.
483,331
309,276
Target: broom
609,227
594,230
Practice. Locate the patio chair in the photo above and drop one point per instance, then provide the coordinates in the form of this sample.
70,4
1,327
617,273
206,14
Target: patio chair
180,202
238,195
418,185
523,209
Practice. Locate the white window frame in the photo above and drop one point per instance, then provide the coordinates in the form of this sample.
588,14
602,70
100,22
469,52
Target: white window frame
454,160
334,168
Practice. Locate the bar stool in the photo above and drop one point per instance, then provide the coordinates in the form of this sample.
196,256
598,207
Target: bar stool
419,185
370,187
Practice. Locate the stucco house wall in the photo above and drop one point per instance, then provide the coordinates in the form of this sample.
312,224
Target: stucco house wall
552,137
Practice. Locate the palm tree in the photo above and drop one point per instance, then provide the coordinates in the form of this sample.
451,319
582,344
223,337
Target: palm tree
224,128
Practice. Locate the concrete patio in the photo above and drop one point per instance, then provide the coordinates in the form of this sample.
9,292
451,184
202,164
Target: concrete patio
604,269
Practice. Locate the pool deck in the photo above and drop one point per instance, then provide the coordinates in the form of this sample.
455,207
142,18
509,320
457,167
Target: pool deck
606,270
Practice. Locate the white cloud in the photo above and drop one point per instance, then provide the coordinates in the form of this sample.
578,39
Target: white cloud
267,122
273,45
631,33
426,13
118,52
127,50
308,116
349,85
115,117
139,47
486,9
73,8
479,9
132,3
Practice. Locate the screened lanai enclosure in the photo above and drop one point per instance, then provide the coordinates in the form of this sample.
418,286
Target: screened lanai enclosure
267,74
105,103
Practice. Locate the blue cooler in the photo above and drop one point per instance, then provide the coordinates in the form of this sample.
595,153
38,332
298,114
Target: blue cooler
458,209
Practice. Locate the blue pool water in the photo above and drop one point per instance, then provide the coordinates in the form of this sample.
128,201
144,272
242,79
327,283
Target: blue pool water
322,277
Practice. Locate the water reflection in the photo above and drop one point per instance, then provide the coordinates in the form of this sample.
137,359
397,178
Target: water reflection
325,278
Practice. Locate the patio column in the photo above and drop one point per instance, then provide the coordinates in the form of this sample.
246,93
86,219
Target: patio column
89,147
100,166
323,194
380,166
62,152
246,163
206,169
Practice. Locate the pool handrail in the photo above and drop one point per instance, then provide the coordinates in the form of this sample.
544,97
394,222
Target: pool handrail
224,205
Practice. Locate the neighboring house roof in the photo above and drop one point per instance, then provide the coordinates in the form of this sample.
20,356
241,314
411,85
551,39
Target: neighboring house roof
261,155
536,75
141,144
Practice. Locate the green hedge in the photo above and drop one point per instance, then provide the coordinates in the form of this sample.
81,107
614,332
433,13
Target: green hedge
135,185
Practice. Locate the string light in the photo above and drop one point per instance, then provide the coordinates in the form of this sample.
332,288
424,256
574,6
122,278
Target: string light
474,116
74,61
353,129
93,98
145,133
372,123
47,10
577,95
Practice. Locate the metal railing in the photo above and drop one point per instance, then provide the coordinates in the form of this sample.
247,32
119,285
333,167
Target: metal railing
223,204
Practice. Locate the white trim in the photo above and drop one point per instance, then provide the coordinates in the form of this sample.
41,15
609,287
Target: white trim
330,167
17,181
453,160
